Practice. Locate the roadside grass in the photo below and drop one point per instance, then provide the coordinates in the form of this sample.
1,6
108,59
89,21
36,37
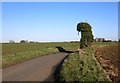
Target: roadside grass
12,59
82,67
20,52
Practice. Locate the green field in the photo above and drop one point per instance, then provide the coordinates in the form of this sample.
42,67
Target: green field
13,53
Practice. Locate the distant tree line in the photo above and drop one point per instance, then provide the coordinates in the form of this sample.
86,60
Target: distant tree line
11,41
22,41
102,40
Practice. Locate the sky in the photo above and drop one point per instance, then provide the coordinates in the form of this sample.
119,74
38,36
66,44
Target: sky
0,40
57,21
119,20
60,0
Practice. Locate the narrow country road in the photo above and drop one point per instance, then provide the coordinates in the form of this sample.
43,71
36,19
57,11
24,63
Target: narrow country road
38,69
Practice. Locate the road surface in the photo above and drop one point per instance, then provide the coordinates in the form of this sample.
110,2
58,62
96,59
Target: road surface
38,69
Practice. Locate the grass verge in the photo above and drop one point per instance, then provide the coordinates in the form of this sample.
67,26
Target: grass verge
82,67
12,59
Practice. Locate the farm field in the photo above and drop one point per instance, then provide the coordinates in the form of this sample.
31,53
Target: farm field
13,53
107,56
84,66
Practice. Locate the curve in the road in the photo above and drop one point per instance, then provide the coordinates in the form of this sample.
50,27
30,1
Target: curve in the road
38,69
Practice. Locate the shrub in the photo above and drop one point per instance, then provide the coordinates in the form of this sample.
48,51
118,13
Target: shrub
86,34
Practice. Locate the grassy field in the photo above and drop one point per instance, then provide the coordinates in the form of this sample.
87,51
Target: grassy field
82,66
13,53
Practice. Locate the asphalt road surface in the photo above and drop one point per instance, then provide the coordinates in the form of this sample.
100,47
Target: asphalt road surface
38,69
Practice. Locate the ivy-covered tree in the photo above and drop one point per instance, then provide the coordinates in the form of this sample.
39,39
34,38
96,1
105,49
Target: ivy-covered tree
86,34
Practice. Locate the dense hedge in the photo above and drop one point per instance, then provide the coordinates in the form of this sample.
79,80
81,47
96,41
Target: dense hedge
86,34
